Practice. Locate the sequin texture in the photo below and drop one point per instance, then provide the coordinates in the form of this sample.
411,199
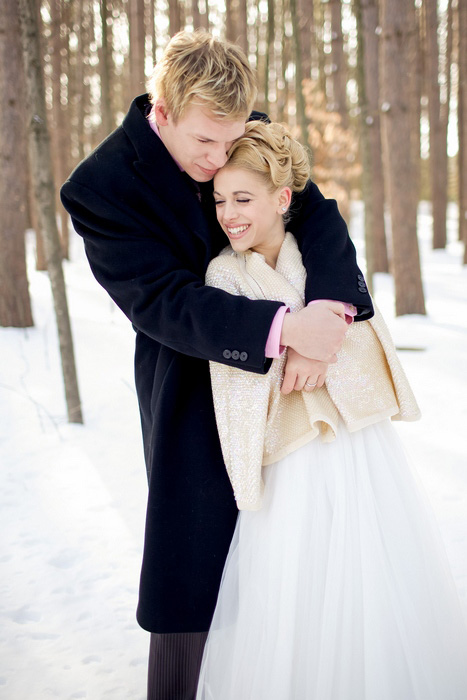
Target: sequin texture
257,424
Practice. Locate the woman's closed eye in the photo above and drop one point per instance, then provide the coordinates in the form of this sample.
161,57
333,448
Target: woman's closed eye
218,202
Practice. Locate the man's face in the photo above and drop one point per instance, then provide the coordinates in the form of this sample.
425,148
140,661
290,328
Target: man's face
198,141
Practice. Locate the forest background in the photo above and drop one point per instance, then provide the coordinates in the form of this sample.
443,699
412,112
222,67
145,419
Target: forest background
376,88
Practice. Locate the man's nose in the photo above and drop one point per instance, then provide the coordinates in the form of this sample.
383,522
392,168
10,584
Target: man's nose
218,156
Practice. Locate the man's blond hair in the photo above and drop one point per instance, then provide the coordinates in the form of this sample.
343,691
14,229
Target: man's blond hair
198,69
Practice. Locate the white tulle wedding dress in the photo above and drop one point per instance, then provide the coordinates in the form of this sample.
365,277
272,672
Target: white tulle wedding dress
339,587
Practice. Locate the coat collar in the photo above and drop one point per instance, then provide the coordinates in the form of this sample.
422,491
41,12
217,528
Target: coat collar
178,192
152,155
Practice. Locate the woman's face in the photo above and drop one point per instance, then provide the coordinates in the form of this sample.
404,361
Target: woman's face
249,213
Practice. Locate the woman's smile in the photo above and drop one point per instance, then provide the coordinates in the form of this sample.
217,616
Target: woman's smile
237,231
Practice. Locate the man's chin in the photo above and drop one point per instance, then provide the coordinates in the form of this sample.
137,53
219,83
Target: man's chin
201,174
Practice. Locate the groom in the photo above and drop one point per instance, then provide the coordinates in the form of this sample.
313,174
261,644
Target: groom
142,201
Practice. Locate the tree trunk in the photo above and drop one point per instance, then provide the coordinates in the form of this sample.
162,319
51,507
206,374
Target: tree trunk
283,91
260,42
41,260
269,52
175,21
302,119
438,145
230,29
60,145
372,164
42,174
305,27
195,14
366,121
152,30
105,70
339,70
462,113
15,306
414,84
79,79
236,23
242,25
399,30
203,14
320,52
137,47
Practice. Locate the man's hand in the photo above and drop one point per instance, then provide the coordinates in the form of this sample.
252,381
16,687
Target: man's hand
300,370
317,331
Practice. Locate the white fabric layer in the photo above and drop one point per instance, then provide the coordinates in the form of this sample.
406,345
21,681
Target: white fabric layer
339,587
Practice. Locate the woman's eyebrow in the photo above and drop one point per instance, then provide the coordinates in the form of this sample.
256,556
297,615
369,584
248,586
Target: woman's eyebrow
236,192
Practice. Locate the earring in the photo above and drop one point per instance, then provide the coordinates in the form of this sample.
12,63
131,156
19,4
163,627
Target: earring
284,208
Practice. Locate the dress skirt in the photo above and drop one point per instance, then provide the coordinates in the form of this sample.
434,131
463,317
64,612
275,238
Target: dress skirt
339,587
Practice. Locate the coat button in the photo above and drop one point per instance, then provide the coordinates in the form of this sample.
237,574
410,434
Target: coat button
243,356
363,290
235,355
361,277
227,354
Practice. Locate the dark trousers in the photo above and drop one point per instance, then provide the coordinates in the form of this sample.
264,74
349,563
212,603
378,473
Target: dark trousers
174,665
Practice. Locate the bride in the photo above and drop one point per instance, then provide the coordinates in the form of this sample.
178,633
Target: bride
336,586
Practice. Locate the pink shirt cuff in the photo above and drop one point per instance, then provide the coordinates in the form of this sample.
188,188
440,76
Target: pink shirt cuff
273,344
349,309
273,347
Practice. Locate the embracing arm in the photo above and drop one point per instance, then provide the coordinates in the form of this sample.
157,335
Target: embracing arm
150,277
328,253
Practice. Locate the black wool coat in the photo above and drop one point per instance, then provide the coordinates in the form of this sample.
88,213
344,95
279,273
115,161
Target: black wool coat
149,238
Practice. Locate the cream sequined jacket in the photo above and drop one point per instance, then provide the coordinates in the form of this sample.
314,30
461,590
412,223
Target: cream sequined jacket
257,424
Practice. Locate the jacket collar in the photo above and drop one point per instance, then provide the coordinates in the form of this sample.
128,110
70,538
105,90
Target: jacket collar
152,155
174,188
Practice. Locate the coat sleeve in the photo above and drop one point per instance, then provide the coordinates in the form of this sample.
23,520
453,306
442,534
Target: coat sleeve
328,253
148,275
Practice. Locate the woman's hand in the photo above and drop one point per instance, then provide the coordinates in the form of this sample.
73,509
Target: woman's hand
300,373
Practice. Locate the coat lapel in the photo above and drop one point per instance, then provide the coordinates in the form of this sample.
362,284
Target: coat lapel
174,190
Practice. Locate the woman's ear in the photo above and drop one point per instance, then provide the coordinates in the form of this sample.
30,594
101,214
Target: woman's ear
160,112
285,196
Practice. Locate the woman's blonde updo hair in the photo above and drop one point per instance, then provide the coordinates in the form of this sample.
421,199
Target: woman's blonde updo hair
270,151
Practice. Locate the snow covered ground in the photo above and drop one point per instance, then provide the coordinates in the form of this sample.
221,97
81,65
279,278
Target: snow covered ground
72,498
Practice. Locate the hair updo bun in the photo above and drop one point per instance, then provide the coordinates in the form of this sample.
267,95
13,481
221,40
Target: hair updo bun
271,151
